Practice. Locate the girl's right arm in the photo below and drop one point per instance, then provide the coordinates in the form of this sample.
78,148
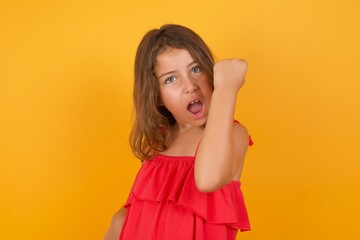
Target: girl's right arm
117,222
216,164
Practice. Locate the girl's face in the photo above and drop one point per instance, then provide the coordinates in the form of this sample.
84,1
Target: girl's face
185,90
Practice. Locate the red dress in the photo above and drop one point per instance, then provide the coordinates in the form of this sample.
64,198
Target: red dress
165,204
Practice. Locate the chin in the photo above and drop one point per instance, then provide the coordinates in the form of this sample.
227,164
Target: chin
200,122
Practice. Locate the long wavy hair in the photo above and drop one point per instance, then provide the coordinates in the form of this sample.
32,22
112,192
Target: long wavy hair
151,131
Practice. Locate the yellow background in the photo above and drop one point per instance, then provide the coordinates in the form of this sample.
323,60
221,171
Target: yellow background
66,72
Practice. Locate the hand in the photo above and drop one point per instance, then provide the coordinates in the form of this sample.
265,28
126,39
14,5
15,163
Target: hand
230,74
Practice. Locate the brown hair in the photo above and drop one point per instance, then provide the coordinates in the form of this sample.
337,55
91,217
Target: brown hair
151,130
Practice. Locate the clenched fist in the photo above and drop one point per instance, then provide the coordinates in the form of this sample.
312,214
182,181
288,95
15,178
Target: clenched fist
230,74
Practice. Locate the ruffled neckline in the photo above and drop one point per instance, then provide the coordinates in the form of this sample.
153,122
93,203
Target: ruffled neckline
170,178
166,157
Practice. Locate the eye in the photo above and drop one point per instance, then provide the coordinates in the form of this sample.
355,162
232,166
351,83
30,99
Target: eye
196,69
169,80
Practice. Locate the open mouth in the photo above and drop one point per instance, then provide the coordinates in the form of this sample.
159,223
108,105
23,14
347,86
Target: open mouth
195,107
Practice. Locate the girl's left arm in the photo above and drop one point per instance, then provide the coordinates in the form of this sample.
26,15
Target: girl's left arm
224,144
117,222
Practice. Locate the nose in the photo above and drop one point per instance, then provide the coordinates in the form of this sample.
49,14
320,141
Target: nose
189,85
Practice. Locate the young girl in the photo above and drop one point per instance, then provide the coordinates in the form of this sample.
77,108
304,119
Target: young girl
192,150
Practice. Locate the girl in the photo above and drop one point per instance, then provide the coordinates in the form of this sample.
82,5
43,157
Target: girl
191,148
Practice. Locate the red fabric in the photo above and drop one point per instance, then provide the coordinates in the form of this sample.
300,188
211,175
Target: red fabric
250,141
164,203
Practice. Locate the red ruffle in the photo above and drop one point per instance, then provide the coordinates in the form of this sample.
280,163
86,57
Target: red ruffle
171,179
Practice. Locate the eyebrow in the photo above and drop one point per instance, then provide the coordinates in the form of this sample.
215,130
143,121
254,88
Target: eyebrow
174,70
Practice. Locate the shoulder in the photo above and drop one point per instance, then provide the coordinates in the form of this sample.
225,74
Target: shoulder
239,148
240,139
240,133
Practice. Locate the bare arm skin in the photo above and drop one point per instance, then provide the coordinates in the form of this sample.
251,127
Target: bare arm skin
113,233
224,144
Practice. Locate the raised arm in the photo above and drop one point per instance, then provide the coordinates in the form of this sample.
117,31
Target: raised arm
224,144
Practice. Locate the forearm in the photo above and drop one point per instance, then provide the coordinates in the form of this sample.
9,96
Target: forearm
214,160
117,222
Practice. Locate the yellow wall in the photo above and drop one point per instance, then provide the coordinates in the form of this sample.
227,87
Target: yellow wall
65,111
